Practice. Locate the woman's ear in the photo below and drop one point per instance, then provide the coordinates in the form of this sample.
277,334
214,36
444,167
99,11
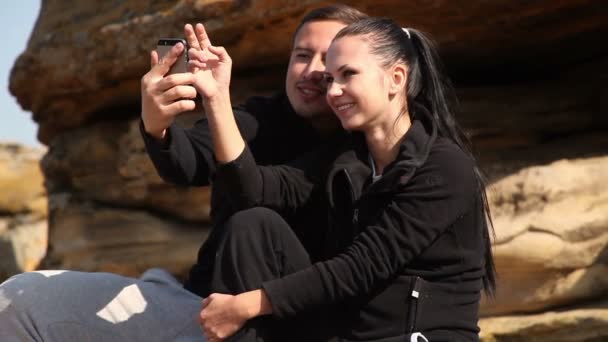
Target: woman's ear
398,78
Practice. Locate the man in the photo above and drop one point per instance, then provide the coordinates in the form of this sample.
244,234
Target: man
62,306
277,129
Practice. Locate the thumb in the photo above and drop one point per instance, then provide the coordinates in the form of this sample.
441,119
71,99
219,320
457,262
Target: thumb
220,52
162,68
205,302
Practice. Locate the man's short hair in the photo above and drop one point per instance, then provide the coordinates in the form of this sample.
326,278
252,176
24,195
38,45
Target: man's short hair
342,13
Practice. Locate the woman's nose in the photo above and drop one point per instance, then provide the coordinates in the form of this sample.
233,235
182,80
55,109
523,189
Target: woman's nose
333,89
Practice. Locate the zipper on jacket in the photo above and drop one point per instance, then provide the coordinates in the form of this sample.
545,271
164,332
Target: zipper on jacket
350,185
353,200
413,297
356,217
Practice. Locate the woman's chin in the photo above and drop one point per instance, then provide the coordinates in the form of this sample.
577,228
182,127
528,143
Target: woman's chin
350,125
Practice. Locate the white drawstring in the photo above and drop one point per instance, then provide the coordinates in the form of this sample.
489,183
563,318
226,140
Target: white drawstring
417,335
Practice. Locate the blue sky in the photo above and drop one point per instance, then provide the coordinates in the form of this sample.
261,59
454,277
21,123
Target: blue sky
16,125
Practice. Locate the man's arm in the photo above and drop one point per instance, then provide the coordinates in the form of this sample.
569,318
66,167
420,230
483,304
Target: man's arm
182,156
185,155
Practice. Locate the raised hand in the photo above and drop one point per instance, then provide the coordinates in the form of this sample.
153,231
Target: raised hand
162,98
210,65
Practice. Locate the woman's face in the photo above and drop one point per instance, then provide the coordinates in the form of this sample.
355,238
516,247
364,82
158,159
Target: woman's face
359,88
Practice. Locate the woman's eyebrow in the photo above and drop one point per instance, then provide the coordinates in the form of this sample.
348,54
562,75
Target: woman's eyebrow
343,67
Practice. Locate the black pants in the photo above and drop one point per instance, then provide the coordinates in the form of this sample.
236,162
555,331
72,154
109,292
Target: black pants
249,248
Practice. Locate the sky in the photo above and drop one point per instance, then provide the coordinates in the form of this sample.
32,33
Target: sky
16,125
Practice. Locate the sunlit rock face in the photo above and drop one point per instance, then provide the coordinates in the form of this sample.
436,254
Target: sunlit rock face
23,209
531,79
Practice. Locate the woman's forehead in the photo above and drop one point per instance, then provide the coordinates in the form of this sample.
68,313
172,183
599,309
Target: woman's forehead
345,49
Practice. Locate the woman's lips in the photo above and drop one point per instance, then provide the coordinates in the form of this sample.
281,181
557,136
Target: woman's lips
342,108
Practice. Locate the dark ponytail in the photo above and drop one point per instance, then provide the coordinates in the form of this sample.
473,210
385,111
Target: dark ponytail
430,93
430,87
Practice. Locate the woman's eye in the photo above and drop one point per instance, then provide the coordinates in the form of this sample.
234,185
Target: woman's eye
302,56
348,73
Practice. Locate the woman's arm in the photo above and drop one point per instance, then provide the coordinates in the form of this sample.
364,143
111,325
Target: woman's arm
246,183
284,188
212,67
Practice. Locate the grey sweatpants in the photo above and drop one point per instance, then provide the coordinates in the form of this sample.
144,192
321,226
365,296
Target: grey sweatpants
75,306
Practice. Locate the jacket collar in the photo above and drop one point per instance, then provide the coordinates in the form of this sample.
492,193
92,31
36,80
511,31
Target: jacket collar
413,152
415,147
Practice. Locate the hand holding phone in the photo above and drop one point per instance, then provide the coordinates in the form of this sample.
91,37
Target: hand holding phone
163,47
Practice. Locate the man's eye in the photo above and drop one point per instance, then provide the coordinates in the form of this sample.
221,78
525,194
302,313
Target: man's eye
328,79
302,56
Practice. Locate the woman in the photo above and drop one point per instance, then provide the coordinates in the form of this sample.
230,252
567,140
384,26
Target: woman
408,242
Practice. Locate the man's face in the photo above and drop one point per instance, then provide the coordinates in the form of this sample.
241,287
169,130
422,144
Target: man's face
304,84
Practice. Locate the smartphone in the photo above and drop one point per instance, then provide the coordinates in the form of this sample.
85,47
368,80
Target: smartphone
162,48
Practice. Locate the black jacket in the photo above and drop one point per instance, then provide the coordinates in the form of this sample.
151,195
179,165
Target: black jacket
270,127
408,250
274,133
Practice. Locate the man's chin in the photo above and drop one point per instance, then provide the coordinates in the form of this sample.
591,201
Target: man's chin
313,114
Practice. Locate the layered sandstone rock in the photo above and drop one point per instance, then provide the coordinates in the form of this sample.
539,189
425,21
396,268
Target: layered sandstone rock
588,323
23,210
551,243
91,237
531,77
87,57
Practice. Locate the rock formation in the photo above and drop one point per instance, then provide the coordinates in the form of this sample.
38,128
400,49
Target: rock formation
23,210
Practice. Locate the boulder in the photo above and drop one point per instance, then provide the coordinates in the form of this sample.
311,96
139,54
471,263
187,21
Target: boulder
87,57
584,323
23,209
551,246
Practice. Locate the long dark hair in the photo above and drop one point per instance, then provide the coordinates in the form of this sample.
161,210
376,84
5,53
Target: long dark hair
428,91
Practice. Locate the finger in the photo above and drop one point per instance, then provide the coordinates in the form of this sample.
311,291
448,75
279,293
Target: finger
201,320
191,37
201,35
221,53
165,62
174,80
178,92
197,55
193,65
153,58
179,107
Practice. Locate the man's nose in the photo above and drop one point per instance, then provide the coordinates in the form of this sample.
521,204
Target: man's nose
315,70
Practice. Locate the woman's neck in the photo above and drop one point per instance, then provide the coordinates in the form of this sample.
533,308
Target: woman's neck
383,141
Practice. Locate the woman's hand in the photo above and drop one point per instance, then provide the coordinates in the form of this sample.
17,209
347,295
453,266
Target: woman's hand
222,316
211,65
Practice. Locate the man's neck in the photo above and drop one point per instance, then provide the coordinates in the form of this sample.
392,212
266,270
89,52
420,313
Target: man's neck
325,125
